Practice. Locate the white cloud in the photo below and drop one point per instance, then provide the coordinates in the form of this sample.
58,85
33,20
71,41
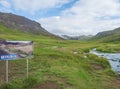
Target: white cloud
36,5
85,17
5,4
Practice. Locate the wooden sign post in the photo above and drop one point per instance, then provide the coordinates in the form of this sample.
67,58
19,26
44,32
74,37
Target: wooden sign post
6,71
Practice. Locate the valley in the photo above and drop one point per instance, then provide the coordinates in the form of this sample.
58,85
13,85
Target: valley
56,66
58,63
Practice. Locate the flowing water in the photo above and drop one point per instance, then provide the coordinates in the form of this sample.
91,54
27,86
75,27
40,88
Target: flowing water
113,58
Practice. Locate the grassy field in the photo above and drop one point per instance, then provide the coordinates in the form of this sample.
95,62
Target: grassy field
60,64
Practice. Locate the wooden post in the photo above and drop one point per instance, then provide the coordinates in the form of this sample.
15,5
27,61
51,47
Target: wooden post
6,71
27,67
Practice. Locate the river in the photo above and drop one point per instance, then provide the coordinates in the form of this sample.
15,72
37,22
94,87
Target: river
113,58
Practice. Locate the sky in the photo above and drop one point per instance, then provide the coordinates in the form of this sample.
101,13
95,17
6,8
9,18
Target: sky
68,17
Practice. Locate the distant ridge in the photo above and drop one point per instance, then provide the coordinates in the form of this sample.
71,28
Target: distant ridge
23,24
108,36
81,37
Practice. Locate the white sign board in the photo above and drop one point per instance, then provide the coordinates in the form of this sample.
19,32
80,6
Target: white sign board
10,50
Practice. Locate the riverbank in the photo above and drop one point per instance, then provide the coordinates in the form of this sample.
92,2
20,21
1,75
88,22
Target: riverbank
113,58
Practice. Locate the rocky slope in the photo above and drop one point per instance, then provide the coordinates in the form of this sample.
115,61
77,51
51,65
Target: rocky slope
22,23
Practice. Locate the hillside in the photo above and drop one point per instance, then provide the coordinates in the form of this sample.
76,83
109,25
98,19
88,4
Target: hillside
108,36
23,24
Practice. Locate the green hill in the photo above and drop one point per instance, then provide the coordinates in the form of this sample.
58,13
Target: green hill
57,64
108,36
10,34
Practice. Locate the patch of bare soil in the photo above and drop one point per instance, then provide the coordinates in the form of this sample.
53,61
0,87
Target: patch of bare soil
117,82
96,66
47,85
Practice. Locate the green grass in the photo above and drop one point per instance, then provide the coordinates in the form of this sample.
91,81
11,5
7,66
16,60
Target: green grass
110,48
55,61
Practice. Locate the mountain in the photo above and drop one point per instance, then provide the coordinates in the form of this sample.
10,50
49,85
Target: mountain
108,36
82,37
23,24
